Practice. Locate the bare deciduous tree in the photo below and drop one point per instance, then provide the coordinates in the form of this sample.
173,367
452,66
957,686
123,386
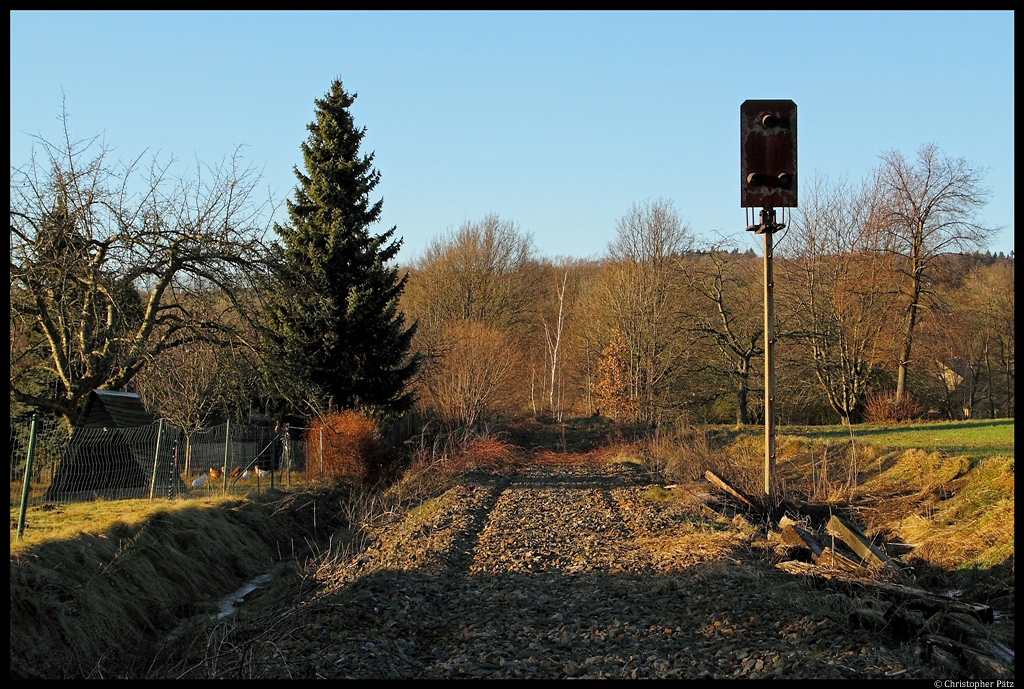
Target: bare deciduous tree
553,343
992,291
476,273
967,340
641,294
842,289
928,208
111,265
476,375
190,384
477,280
728,312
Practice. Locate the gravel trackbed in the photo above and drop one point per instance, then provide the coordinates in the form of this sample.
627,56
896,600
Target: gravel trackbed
551,572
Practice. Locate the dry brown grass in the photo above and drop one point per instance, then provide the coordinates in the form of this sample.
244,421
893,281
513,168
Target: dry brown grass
561,459
698,549
433,467
485,452
685,456
89,604
954,513
965,521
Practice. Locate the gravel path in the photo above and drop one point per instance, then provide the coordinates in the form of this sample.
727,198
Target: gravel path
554,572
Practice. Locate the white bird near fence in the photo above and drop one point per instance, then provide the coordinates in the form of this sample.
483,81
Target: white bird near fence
199,481
260,472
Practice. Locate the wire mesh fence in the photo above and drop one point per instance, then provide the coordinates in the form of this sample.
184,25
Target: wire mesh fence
157,461
163,461
52,438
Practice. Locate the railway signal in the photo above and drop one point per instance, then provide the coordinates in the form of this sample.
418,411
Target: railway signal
768,180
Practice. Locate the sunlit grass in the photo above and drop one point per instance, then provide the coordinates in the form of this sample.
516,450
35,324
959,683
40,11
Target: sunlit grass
66,521
978,439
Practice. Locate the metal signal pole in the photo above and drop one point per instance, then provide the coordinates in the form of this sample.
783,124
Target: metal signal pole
767,227
768,222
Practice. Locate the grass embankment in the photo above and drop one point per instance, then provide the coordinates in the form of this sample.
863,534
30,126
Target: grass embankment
945,489
65,522
978,439
94,584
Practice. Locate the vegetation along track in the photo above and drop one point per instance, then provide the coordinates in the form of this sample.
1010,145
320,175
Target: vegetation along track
553,571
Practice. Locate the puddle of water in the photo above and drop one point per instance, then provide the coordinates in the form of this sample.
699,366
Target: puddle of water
230,602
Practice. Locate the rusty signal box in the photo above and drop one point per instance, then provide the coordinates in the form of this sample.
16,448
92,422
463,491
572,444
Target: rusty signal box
768,154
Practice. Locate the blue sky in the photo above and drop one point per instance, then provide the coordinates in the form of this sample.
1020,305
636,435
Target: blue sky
558,121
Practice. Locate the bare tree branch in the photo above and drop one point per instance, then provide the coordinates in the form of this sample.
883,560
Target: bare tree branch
110,264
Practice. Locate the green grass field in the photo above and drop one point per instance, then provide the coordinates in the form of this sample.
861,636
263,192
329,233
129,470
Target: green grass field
978,439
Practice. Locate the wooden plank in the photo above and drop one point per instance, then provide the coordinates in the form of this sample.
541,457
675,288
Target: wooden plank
868,618
994,649
836,560
722,484
919,598
975,658
792,534
958,626
858,542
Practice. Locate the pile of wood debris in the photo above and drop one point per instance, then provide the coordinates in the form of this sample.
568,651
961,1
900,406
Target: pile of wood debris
836,554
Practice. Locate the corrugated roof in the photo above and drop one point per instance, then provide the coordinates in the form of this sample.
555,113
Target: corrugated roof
123,409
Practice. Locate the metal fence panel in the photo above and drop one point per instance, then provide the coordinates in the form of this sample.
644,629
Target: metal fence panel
121,463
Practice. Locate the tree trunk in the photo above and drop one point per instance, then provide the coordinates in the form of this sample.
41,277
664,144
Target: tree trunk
908,338
742,390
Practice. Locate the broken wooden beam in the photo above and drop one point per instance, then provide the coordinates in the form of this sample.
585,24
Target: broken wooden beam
833,558
993,659
722,484
916,597
793,534
868,618
859,543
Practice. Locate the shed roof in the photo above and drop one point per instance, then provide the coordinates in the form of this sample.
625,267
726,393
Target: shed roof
107,408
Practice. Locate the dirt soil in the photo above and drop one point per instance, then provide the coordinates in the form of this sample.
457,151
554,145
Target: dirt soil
550,571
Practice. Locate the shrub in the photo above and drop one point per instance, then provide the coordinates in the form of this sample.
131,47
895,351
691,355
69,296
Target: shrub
353,449
884,407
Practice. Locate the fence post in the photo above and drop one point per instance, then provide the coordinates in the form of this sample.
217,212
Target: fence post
156,459
173,468
286,445
188,453
28,475
227,448
273,458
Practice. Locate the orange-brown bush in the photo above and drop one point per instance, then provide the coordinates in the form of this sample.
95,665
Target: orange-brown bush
487,452
353,449
883,407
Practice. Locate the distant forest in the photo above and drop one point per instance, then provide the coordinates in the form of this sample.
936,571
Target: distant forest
886,306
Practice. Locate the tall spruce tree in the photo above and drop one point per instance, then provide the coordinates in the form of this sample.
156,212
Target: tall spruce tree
335,312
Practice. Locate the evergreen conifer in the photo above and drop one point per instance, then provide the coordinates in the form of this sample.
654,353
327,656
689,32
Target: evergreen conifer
335,311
